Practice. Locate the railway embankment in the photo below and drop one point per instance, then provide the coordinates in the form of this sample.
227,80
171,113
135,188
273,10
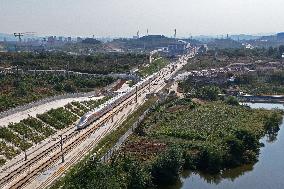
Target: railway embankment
108,145
179,134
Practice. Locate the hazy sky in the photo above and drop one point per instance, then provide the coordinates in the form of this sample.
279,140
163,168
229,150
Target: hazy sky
126,17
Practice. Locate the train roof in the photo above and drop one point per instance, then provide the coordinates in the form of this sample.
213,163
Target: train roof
86,115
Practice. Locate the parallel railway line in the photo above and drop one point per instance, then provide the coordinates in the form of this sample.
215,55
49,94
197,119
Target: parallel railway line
10,177
74,139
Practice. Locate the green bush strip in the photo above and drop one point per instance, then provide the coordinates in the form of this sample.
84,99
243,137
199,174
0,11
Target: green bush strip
105,144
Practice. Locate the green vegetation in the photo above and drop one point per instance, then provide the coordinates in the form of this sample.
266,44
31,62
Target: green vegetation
114,175
7,151
9,136
208,93
201,62
26,132
18,134
166,169
214,135
261,83
255,83
30,88
267,77
38,126
74,109
31,130
2,161
149,42
58,118
178,134
83,107
80,106
231,100
97,63
153,67
92,104
223,57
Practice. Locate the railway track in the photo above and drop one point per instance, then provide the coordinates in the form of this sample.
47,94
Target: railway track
78,138
76,158
31,153
13,175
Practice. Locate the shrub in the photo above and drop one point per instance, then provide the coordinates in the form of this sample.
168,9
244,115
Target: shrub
167,167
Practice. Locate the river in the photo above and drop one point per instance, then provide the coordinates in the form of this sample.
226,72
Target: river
267,173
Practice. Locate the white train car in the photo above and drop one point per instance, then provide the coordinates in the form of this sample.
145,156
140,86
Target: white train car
92,116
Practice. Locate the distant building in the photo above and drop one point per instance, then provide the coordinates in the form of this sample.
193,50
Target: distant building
177,48
60,39
248,46
79,39
69,39
51,39
280,36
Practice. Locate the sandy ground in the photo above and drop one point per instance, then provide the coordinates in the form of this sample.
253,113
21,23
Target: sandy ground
123,88
17,117
174,87
100,133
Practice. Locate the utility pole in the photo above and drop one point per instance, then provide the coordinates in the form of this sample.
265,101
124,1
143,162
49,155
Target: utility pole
25,151
67,68
149,85
17,76
136,99
61,147
19,35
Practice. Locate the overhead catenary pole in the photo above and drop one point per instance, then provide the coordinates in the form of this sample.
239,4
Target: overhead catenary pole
136,99
25,151
61,147
149,85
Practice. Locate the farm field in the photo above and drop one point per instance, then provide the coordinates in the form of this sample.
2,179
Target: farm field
213,135
180,133
30,88
17,137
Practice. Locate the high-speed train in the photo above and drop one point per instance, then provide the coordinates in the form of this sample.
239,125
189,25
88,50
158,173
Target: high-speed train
92,116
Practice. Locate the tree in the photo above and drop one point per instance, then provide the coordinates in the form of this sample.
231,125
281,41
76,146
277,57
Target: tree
137,175
167,167
231,100
21,90
209,93
91,41
281,49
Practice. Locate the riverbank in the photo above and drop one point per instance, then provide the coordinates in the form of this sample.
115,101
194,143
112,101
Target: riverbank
267,173
181,134
211,136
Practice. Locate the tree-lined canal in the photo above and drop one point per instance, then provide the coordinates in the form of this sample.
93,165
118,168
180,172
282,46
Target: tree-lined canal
267,173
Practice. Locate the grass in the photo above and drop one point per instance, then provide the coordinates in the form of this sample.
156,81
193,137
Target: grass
221,135
106,143
153,67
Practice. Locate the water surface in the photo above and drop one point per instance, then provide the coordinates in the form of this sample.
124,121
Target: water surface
267,173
